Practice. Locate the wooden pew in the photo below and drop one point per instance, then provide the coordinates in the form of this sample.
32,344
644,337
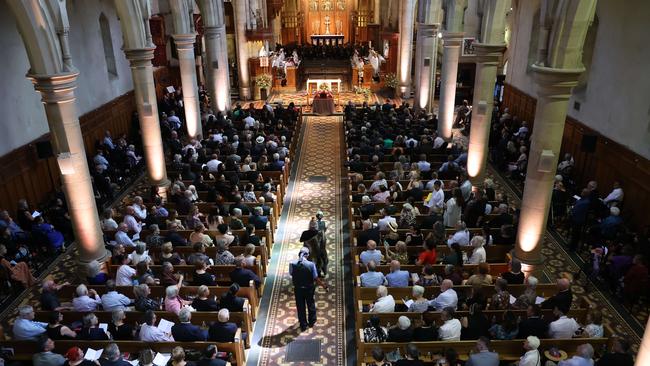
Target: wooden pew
495,253
23,350
242,319
66,293
184,251
495,268
510,350
221,272
264,235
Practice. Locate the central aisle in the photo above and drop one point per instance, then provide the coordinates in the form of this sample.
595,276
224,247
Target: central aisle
316,186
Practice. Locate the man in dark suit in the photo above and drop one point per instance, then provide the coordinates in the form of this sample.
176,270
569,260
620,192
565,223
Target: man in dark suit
368,232
258,220
186,331
174,237
533,325
562,299
223,330
210,357
242,276
229,300
238,204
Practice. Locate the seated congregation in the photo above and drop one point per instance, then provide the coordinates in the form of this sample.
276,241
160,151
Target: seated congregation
186,272
434,277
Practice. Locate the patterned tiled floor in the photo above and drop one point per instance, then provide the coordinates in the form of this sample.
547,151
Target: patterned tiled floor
277,326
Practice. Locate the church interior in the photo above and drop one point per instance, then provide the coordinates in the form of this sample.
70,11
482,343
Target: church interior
324,182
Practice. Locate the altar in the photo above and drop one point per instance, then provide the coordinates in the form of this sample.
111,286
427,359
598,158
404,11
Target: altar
327,39
321,95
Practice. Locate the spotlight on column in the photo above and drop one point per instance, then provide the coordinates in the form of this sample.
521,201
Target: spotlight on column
147,111
66,163
546,161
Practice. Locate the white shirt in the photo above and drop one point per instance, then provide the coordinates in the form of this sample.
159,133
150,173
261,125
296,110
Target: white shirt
446,298
424,166
86,303
151,333
249,122
213,165
132,223
450,331
374,187
382,224
123,238
460,237
123,276
384,304
478,256
114,300
175,121
437,199
615,195
563,328
438,142
530,358
109,224
140,212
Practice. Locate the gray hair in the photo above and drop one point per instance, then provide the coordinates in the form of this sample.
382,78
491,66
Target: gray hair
81,290
585,351
111,352
223,315
118,315
154,228
89,320
140,248
93,268
236,211
403,322
141,289
258,210
25,310
418,290
171,291
184,315
532,281
382,291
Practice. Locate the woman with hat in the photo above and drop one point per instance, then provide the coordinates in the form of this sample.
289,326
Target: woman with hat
392,237
407,216
75,357
532,356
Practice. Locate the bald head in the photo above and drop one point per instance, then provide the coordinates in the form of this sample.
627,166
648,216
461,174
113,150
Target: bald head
371,244
394,266
563,284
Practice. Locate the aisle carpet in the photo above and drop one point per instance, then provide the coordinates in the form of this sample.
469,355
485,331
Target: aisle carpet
316,187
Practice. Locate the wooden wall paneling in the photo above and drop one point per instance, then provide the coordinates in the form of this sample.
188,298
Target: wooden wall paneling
609,162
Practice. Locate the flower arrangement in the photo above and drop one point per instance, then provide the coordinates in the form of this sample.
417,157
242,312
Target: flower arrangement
264,81
361,90
322,93
390,80
323,87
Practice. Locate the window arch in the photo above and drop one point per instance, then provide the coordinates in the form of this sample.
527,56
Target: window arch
107,41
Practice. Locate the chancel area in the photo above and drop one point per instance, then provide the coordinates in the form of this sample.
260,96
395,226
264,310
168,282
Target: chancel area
324,182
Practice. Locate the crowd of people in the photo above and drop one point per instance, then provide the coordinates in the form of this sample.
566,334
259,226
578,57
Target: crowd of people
401,190
590,217
225,168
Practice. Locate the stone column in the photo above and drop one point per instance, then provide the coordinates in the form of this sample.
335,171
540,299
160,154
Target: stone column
426,48
242,49
185,46
643,357
58,96
376,12
217,61
147,106
450,56
405,46
487,59
554,88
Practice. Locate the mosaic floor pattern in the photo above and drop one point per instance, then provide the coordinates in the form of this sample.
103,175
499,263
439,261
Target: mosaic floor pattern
319,157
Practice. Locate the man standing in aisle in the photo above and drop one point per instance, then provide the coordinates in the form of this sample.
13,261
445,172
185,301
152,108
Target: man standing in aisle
304,277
